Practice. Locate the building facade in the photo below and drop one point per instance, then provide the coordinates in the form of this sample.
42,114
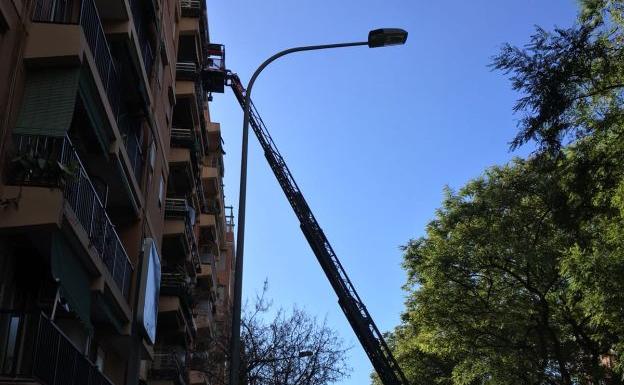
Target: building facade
116,246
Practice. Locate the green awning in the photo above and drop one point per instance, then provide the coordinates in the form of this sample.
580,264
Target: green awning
95,110
49,100
73,279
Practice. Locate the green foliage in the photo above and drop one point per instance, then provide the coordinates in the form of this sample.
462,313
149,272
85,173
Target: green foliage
520,277
571,79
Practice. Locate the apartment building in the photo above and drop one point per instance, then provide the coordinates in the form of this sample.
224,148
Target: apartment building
113,228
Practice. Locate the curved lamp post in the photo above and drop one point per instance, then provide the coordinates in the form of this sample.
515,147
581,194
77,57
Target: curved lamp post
376,38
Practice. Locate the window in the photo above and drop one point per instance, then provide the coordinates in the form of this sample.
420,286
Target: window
161,190
152,155
4,26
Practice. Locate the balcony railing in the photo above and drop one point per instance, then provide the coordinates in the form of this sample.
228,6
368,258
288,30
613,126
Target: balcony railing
216,161
229,219
132,137
208,258
191,8
53,161
182,137
142,27
62,12
186,70
201,195
32,346
200,95
167,366
174,283
178,208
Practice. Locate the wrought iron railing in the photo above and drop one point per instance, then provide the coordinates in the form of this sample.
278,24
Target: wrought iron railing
208,258
53,161
200,96
175,283
215,160
178,208
131,132
190,7
186,70
36,348
167,366
51,11
182,137
229,219
142,29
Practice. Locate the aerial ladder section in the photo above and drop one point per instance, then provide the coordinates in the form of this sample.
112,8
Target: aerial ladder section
363,325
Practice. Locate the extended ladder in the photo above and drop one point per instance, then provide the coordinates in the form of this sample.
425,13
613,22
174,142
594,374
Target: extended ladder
365,329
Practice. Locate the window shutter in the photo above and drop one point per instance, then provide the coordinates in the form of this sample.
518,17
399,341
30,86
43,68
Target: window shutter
49,101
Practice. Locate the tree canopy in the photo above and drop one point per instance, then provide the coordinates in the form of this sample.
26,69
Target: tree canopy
520,276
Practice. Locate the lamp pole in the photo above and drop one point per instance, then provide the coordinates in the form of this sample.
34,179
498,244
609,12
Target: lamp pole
376,38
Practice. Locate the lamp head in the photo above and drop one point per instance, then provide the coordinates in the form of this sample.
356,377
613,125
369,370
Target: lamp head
384,37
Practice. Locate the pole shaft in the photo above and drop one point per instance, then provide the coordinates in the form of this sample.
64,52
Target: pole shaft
235,353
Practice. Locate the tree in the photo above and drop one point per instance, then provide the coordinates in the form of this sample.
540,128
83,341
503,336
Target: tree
271,348
571,79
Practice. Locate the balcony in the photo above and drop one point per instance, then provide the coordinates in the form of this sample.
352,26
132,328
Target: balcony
182,137
53,162
33,348
87,51
181,175
213,134
204,319
211,174
179,242
229,220
175,320
143,33
168,366
131,132
49,11
177,284
214,71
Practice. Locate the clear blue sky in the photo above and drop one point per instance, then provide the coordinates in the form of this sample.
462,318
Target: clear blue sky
371,135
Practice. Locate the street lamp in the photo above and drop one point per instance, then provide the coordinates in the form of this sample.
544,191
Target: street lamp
376,38
301,354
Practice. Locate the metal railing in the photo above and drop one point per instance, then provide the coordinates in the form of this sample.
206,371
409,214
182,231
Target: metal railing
63,169
208,258
182,137
201,195
200,96
229,219
215,160
175,283
167,366
178,208
130,128
190,7
61,12
186,70
36,348
188,229
147,51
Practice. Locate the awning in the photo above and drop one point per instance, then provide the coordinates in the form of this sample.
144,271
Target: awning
73,279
